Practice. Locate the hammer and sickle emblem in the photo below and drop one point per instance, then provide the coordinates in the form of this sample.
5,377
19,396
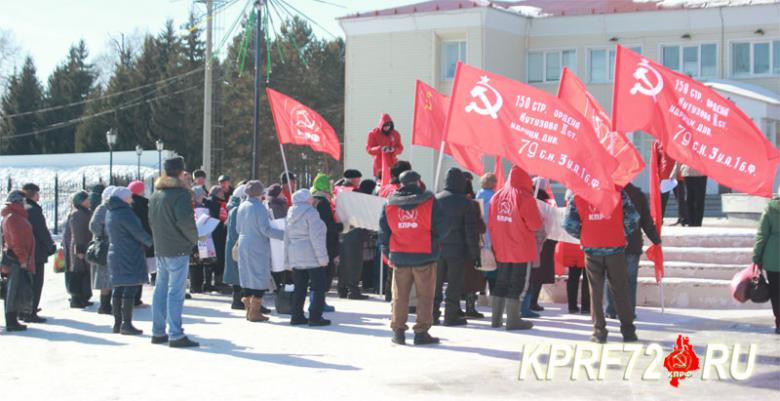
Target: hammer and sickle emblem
480,93
428,105
644,84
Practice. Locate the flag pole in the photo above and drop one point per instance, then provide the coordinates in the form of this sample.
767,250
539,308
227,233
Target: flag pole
661,294
438,166
286,171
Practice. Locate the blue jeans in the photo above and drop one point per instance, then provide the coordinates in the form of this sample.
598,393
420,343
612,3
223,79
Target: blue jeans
168,300
632,266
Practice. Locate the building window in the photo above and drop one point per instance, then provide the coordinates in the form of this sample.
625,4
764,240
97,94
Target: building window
755,58
694,60
451,53
602,64
545,66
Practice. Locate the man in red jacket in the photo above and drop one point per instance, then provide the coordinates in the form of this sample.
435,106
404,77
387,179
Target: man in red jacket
512,220
384,139
19,252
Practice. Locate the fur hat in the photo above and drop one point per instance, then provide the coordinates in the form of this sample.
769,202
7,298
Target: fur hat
107,193
254,189
79,198
15,196
173,166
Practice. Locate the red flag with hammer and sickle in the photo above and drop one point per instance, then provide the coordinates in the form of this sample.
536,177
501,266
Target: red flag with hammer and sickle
430,115
300,125
695,125
535,130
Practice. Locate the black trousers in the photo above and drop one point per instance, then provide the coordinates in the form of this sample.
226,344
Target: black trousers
774,294
451,270
682,206
248,292
78,285
40,269
510,279
573,285
351,264
125,292
317,279
696,188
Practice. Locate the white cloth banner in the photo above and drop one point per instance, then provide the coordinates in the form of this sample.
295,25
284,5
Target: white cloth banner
553,222
277,247
356,209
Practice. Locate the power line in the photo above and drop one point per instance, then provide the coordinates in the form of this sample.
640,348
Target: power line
80,102
285,4
95,115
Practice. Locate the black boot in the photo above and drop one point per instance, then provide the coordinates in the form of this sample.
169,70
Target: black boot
105,304
471,307
355,293
127,318
535,289
572,288
116,310
399,337
12,324
237,304
424,339
137,301
196,278
208,277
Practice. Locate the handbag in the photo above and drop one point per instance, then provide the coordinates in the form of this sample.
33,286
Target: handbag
759,293
59,261
97,252
487,257
742,283
284,300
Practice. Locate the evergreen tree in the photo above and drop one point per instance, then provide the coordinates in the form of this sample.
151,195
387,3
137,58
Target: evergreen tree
24,94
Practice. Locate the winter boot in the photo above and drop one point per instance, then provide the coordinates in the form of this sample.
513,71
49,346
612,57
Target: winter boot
127,318
208,278
535,290
399,337
424,338
138,302
12,323
355,293
471,307
254,314
247,301
105,304
196,278
116,310
497,310
237,304
513,319
526,306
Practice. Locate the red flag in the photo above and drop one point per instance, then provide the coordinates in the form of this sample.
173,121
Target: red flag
385,179
535,130
498,170
655,252
574,92
300,125
430,115
695,125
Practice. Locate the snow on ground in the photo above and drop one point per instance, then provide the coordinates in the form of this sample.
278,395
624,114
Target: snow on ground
75,357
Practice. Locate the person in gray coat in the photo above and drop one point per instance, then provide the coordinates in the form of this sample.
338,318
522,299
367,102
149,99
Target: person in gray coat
254,250
230,276
126,258
306,253
101,278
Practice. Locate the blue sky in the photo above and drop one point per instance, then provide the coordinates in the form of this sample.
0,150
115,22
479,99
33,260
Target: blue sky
45,29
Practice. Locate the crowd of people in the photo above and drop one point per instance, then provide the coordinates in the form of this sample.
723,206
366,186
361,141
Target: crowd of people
187,238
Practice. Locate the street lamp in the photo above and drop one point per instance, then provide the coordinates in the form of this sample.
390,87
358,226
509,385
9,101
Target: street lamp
139,151
159,144
111,140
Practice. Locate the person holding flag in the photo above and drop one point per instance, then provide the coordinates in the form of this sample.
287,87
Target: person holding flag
603,239
384,140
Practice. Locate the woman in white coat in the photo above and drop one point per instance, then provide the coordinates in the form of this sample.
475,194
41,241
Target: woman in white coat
254,229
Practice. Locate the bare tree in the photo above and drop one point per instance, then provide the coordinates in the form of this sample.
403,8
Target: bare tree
9,56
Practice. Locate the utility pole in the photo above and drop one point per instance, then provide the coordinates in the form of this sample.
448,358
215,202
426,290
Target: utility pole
207,86
258,59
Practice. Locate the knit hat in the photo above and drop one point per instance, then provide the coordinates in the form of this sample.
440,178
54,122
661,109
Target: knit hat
173,166
30,188
137,187
98,188
223,178
240,192
274,190
79,198
367,187
301,196
107,193
214,190
122,193
321,183
398,168
409,177
15,196
254,189
352,173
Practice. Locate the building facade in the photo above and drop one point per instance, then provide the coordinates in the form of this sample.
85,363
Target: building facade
734,46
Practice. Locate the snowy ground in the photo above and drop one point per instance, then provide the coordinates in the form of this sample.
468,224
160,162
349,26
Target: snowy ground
75,357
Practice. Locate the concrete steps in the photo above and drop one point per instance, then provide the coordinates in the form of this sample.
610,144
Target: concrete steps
691,270
742,256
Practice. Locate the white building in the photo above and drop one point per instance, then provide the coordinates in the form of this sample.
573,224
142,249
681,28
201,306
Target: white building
734,44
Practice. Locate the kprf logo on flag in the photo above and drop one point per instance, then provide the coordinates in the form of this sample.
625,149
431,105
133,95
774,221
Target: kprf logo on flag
299,125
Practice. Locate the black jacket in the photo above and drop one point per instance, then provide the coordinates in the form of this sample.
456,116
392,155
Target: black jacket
141,209
635,240
44,245
408,198
462,241
322,204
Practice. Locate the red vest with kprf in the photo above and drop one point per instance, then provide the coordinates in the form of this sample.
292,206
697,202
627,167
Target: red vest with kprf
598,231
410,229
